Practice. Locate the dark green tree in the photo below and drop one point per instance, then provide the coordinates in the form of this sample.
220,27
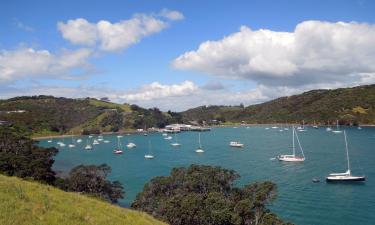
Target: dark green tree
205,195
92,180
20,156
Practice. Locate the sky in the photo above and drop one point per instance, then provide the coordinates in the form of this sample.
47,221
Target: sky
176,55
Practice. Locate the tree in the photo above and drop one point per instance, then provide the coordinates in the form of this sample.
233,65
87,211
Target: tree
92,180
20,156
205,195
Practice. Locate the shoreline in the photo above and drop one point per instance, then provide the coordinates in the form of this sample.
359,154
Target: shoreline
214,126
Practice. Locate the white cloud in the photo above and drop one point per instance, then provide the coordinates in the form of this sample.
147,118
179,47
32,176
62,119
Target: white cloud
116,36
28,62
79,31
315,53
171,14
156,90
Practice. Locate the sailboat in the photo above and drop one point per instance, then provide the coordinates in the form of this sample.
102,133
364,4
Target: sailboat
50,140
118,149
88,146
175,144
72,145
149,155
236,144
131,144
168,138
315,126
347,176
337,131
61,143
199,149
293,157
302,129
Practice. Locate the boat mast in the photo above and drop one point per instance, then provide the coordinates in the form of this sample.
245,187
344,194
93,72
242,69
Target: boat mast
294,148
347,152
199,138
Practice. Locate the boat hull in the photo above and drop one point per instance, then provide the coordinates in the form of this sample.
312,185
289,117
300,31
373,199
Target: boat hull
344,179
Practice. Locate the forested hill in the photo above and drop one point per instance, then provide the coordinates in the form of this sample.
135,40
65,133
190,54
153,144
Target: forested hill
46,115
348,105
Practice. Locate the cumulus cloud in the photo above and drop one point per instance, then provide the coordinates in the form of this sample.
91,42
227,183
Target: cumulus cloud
156,90
171,14
28,62
316,52
116,36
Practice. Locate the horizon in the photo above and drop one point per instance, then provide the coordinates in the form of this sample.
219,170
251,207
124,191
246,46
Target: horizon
176,56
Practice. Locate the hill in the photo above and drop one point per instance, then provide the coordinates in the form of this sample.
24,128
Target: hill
25,202
48,115
348,105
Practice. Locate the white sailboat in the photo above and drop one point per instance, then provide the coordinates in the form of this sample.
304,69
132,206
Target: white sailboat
118,149
95,142
50,140
293,157
302,128
175,144
79,140
149,155
315,126
168,138
337,131
199,149
61,143
72,145
88,146
236,144
347,176
131,144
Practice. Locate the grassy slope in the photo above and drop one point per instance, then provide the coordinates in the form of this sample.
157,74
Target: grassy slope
98,103
24,202
346,104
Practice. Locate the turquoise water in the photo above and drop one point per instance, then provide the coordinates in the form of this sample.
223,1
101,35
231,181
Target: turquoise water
299,200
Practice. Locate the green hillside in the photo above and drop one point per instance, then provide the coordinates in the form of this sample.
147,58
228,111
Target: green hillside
25,202
348,105
48,115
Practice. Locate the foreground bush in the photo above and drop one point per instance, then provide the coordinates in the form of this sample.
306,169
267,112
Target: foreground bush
205,195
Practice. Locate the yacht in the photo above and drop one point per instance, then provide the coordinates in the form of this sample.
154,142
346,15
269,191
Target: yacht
199,149
236,144
347,176
293,157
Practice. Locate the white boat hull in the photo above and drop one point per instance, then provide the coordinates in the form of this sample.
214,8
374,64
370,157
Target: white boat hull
149,156
345,178
290,158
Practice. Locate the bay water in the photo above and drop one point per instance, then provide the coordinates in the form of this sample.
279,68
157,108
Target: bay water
299,200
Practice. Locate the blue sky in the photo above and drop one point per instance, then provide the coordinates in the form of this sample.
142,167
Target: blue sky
149,71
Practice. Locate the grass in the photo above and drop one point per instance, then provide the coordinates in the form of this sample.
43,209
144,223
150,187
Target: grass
25,202
124,107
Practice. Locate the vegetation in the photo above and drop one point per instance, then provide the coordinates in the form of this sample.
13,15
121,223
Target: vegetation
351,106
31,203
47,115
205,195
92,180
20,156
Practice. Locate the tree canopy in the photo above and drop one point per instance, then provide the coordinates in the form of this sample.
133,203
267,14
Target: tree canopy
20,156
92,180
206,195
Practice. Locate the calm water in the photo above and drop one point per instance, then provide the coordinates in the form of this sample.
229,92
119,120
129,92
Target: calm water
299,200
